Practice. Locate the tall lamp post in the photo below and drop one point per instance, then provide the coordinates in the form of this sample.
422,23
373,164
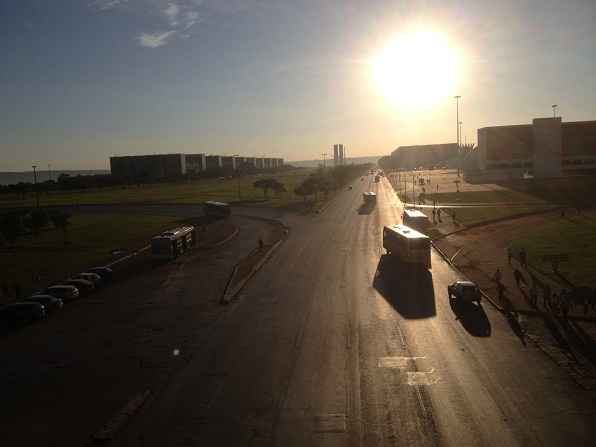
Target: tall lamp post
554,106
237,173
35,185
457,122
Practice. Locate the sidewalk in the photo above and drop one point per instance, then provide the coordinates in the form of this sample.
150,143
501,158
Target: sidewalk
479,251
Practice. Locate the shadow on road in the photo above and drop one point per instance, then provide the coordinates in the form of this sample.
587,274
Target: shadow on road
366,208
408,289
472,317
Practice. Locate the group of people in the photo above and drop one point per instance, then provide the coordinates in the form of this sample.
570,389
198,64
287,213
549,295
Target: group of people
558,303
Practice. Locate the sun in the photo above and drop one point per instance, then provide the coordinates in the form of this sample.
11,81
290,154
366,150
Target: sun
416,70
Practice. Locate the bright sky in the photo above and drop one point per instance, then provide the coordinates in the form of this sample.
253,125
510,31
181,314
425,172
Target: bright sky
83,80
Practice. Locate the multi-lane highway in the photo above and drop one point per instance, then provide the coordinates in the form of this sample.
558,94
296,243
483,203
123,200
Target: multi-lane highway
331,344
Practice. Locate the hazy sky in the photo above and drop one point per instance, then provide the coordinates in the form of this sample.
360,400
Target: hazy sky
82,80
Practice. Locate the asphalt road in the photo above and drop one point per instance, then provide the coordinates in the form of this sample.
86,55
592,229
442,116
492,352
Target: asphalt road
332,345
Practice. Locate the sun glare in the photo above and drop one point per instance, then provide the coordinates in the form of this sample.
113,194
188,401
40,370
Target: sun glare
416,70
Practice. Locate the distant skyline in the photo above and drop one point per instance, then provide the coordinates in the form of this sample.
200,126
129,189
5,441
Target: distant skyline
84,80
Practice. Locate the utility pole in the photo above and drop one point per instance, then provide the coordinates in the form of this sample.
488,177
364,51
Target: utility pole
413,193
35,185
457,123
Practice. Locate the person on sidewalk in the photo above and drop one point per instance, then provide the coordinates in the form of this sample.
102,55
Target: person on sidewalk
519,278
533,296
498,276
500,291
509,254
523,258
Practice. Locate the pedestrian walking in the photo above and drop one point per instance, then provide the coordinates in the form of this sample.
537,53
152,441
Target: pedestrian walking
509,254
434,215
519,278
523,258
565,306
498,276
533,296
546,297
500,291
261,243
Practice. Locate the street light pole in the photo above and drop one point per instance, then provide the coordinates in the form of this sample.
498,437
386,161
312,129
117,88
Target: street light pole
35,185
457,125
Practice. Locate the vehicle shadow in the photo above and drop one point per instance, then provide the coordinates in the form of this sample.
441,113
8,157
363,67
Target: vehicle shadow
407,288
366,208
472,317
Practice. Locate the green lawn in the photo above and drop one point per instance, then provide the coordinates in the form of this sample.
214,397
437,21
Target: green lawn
196,191
511,203
91,237
574,236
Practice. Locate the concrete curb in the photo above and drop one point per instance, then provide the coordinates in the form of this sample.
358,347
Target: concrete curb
223,241
119,420
228,295
500,219
454,267
147,247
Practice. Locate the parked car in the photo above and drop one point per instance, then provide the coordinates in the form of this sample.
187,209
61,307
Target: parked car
85,287
106,273
15,314
65,292
49,302
464,291
91,277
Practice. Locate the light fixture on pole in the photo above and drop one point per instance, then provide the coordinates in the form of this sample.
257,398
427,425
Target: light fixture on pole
457,123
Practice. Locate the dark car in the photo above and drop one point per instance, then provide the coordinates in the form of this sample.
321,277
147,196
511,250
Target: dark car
49,302
85,287
21,313
464,291
65,292
91,277
106,273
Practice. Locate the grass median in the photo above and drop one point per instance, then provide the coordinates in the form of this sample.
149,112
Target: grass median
487,205
239,189
573,236
36,261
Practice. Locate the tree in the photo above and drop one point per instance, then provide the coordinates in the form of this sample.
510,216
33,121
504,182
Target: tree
269,183
11,226
60,220
278,187
301,191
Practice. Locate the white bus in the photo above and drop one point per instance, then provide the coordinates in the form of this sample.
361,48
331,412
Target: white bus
416,219
407,244
172,243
